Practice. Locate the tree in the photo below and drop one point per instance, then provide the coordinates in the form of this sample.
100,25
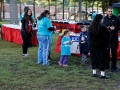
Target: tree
13,12
0,9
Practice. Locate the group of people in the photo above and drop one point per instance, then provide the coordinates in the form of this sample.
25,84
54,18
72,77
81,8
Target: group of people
100,38
44,34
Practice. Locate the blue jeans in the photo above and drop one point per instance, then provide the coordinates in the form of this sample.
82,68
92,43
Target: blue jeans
43,49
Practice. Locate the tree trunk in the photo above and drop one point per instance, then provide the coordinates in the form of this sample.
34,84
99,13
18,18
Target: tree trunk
86,15
55,9
63,10
13,12
0,10
34,8
80,10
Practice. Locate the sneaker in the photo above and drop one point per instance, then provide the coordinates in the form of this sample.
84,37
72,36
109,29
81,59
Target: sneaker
104,77
82,62
46,64
94,75
60,64
28,55
65,65
25,55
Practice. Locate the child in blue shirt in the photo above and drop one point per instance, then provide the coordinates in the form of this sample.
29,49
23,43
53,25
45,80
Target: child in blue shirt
84,39
65,49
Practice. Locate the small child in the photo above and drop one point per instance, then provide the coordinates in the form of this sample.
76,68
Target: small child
65,49
84,39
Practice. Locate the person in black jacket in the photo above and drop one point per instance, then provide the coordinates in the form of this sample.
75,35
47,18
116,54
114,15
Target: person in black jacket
98,45
26,31
113,24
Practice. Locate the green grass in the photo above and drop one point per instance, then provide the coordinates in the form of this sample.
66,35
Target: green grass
18,73
5,22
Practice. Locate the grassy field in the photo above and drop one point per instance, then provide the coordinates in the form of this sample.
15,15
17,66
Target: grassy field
18,73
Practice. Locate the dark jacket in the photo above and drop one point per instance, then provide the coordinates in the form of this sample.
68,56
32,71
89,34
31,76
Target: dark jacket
24,28
115,21
84,46
100,40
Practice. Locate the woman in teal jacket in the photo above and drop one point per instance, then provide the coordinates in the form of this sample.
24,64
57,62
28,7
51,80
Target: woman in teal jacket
43,35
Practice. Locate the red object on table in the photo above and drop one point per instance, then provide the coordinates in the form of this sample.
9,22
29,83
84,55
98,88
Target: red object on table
14,35
58,44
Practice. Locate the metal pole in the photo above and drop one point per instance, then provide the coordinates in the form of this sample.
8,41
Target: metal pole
63,9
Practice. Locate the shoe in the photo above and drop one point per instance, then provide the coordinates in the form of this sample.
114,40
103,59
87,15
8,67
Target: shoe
50,59
39,62
46,64
65,65
28,55
113,69
94,75
25,55
86,61
82,62
104,77
60,64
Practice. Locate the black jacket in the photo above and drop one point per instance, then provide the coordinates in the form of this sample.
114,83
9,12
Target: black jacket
24,27
115,21
100,40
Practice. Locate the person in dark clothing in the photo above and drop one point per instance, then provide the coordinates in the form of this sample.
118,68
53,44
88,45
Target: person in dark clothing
119,15
98,45
84,38
113,24
26,31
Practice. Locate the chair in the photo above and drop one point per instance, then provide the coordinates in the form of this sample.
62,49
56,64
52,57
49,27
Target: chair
67,26
77,27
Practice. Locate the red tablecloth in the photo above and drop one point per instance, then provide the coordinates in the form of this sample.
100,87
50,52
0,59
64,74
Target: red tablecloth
14,35
58,43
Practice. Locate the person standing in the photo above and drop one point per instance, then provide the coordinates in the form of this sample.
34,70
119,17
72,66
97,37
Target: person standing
112,22
26,31
84,39
43,35
98,45
22,15
65,49
49,54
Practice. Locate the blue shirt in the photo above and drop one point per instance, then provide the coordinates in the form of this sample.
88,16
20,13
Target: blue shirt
22,15
43,26
65,46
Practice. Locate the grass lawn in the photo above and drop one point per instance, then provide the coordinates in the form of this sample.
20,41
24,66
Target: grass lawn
18,73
